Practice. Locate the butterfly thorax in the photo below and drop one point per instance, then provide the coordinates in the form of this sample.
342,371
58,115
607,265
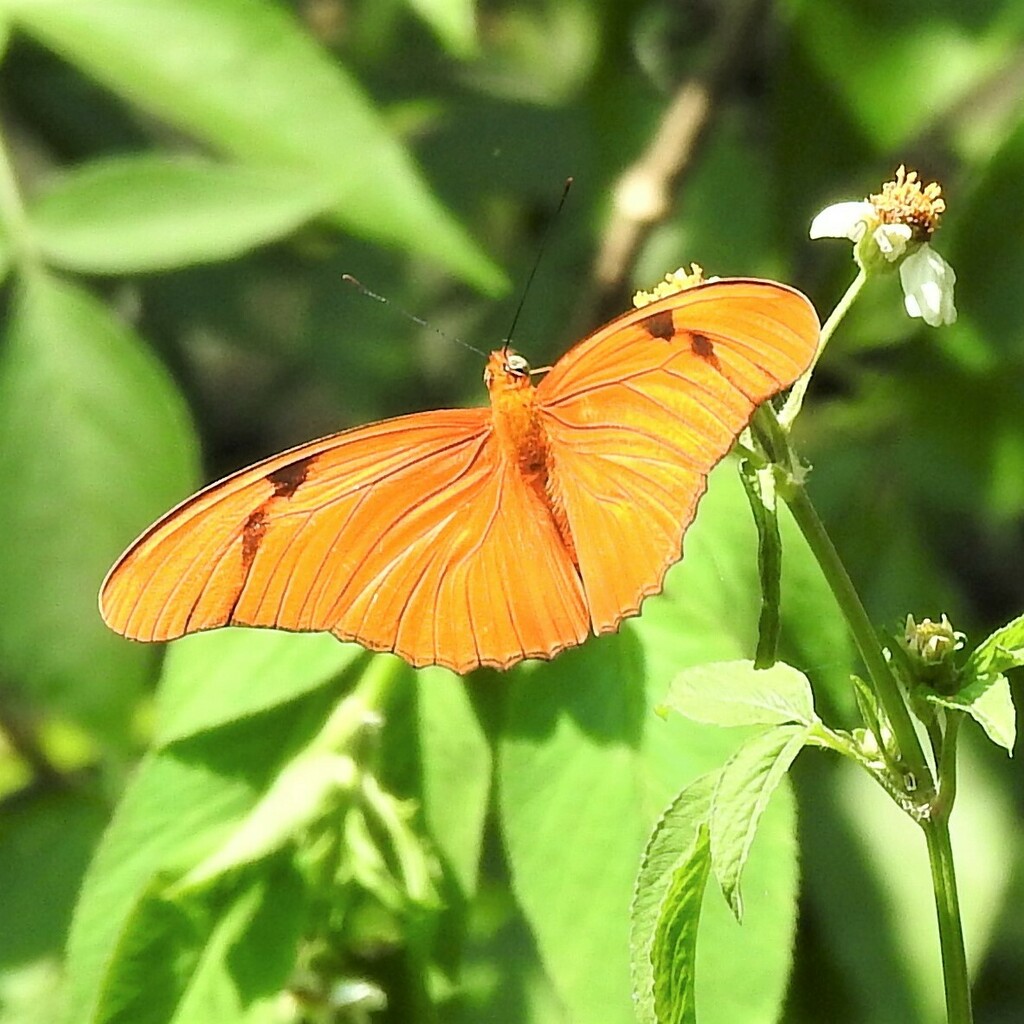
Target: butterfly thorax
520,432
517,425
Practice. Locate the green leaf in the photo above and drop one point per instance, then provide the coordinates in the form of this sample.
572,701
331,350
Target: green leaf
249,954
243,76
582,745
455,771
155,954
193,962
674,950
387,855
679,843
575,801
127,215
989,703
307,790
312,787
747,782
169,813
745,985
181,804
996,653
734,693
985,693
83,407
452,21
434,753
228,674
31,992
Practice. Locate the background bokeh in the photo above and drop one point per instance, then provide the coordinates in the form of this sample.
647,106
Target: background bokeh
196,177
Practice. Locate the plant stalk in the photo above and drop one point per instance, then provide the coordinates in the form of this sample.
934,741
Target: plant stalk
947,908
795,399
935,823
932,795
849,602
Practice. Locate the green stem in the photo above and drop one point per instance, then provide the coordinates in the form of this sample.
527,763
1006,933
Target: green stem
791,409
943,805
935,823
362,708
759,485
849,602
951,936
932,798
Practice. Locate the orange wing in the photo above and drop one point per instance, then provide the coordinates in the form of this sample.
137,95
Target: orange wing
407,535
639,413
421,534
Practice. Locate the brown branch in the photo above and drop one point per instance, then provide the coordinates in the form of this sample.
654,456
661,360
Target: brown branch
646,192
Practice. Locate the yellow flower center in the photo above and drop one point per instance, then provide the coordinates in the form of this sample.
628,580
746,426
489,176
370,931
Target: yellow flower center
907,201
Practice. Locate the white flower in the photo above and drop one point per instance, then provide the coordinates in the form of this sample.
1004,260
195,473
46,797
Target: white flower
843,220
928,281
891,240
854,221
892,229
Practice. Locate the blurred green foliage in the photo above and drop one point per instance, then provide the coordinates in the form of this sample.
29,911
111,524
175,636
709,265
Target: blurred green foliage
182,183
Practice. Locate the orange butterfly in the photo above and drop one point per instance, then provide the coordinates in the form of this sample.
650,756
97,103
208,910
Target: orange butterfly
471,537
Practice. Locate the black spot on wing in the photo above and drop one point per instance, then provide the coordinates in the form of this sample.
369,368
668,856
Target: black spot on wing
702,346
288,479
252,535
660,325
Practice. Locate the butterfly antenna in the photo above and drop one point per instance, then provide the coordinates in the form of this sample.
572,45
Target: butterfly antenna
545,238
349,279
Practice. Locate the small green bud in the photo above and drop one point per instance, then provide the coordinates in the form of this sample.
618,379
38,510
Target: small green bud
930,648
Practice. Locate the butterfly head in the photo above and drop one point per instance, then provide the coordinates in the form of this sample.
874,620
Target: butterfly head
507,370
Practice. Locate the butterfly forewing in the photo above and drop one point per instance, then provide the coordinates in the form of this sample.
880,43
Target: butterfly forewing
640,412
409,535
194,569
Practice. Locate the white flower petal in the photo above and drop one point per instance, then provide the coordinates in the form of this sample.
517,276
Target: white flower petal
843,220
892,239
928,281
